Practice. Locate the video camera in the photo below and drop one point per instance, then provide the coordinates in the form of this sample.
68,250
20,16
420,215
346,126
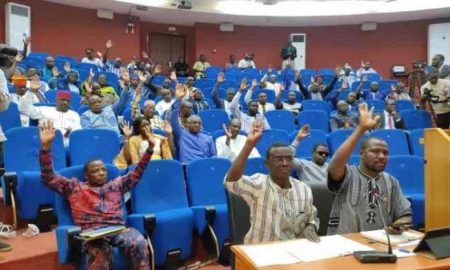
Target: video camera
6,55
419,64
429,96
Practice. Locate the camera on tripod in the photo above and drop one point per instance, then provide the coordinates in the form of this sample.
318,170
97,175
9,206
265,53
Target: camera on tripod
419,64
428,95
6,55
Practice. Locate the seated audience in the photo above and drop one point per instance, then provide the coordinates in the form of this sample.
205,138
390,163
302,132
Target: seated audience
220,103
70,81
148,111
192,143
390,118
165,103
342,118
135,141
90,59
199,103
364,70
263,105
281,207
291,104
200,66
315,169
398,92
230,145
347,74
437,92
269,80
360,190
232,62
246,62
181,67
373,94
99,116
316,90
252,114
97,203
62,118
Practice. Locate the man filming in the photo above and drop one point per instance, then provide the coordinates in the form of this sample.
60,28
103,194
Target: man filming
436,91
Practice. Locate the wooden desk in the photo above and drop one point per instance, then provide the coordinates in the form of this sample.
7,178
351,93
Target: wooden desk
243,262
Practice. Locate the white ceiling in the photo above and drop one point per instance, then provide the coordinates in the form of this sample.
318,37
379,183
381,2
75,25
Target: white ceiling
285,13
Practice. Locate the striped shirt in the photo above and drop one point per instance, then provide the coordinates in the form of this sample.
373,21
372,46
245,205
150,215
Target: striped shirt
275,213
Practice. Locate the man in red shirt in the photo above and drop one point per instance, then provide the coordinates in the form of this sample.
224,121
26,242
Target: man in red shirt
98,203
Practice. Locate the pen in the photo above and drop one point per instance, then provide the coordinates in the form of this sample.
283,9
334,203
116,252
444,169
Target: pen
404,250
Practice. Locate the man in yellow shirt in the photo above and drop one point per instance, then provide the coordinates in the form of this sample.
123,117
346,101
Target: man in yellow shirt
200,66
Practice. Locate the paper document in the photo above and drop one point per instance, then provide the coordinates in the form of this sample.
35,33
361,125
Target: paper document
403,253
380,236
302,250
93,234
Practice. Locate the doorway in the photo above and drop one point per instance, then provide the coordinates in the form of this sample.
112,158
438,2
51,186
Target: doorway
165,49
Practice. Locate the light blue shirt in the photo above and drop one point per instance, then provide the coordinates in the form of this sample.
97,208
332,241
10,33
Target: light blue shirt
106,120
195,146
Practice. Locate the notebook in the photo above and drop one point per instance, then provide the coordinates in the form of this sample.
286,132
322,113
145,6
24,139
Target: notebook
93,234
380,236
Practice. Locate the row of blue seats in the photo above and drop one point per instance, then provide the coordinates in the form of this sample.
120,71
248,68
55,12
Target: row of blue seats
180,206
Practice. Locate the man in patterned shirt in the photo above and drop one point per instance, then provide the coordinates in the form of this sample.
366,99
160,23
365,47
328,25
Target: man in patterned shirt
281,207
97,203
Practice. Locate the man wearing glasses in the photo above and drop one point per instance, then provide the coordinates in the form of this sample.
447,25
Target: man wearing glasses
315,169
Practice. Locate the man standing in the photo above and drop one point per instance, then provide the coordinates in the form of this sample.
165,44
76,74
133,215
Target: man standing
281,207
288,55
437,63
360,190
97,203
229,145
436,91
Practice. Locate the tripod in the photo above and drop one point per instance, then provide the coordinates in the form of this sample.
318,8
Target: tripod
416,80
424,105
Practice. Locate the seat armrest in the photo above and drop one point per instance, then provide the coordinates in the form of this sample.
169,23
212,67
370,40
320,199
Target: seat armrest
144,223
69,243
9,182
203,215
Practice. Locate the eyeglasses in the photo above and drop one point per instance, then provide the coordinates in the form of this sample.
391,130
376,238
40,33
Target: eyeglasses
323,154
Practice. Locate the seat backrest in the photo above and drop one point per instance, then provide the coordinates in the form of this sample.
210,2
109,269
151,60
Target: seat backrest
238,217
21,150
205,181
415,119
409,170
86,144
213,119
337,137
269,137
316,105
395,138
378,105
402,105
62,206
316,119
415,146
281,119
10,118
161,188
305,147
270,94
322,200
255,165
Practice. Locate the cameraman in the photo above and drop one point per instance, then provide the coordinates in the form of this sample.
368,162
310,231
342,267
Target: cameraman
436,92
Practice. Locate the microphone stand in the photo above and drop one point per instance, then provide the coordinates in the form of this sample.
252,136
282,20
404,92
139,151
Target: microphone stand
374,256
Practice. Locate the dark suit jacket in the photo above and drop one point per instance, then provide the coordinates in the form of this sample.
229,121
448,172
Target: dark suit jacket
398,121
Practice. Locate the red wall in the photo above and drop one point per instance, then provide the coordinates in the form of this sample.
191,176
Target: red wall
391,44
60,29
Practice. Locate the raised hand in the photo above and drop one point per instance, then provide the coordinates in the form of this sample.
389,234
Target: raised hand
302,133
27,40
366,119
167,127
144,55
125,76
18,58
220,77
88,88
46,134
67,66
278,87
180,90
56,72
173,76
91,74
337,70
254,83
35,84
127,130
256,132
99,54
227,131
109,44
243,85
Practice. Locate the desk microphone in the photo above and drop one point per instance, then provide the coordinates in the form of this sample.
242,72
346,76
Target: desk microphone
374,256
